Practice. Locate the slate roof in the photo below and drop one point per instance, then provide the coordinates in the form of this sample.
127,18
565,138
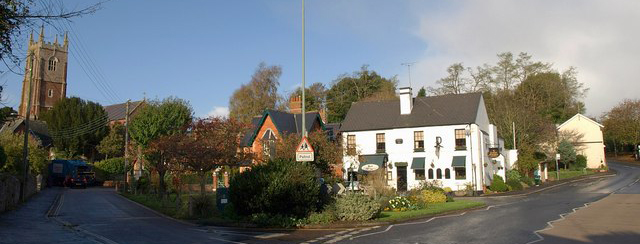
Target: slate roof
286,123
38,128
450,109
119,111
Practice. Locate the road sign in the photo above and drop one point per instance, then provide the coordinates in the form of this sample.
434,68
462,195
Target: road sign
304,151
557,156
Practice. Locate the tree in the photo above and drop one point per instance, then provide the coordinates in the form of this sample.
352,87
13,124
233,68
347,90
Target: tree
112,145
363,85
16,15
206,145
12,145
621,126
5,114
259,94
76,126
567,152
153,121
315,96
328,154
422,92
454,83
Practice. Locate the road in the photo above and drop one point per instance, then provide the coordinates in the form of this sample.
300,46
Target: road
515,219
99,215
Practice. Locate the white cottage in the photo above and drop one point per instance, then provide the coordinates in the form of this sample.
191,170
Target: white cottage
445,138
591,143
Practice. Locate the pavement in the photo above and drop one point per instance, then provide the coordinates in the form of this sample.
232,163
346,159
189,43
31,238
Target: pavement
595,209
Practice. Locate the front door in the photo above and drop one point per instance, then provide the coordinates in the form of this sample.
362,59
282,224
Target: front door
402,178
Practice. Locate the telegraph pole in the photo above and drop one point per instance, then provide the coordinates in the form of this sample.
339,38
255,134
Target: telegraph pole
25,148
126,145
304,128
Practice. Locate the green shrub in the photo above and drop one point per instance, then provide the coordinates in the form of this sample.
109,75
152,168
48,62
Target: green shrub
325,217
356,207
276,220
203,205
281,187
513,174
111,169
447,189
528,180
432,196
514,185
497,184
581,162
229,212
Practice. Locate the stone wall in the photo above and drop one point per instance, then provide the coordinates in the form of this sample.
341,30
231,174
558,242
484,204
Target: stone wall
10,191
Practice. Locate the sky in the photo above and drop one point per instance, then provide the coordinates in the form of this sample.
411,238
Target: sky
202,51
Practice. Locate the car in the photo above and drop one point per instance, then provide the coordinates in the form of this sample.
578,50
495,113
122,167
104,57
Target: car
79,181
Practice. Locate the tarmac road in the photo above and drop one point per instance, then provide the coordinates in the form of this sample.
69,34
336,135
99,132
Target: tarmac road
515,219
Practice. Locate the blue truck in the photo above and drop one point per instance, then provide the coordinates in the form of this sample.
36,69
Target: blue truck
71,173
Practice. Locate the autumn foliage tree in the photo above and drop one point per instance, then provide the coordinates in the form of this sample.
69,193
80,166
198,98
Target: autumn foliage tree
204,145
328,154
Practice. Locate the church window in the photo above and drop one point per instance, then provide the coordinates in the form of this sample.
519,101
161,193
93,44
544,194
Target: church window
53,62
50,92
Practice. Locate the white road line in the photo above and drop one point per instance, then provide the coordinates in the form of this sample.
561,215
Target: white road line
223,240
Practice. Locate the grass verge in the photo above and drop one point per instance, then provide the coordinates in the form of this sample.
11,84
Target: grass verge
567,174
432,209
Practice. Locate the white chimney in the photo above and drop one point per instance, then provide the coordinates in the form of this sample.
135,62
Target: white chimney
406,100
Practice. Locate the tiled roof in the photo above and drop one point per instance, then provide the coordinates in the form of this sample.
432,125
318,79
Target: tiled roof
286,123
119,111
427,111
38,128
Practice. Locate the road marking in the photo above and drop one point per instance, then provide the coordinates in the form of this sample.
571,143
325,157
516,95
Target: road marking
271,235
223,240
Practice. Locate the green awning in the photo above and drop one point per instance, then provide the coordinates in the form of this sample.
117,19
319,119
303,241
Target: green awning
417,163
371,163
459,161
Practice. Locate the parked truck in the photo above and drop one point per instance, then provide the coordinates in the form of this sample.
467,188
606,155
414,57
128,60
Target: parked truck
70,173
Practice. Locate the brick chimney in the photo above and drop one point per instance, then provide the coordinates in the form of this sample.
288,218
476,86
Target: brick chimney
295,105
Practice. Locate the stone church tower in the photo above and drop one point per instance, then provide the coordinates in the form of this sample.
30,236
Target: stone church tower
49,74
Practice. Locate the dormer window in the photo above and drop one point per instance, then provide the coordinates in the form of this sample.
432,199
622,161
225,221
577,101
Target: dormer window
53,62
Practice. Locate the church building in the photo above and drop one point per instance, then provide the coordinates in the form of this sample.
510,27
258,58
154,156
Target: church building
48,76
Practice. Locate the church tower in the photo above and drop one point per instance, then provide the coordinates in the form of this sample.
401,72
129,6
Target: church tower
49,74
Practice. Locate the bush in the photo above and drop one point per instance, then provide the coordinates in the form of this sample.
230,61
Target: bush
203,205
514,185
433,196
528,180
325,217
581,162
111,168
277,220
497,184
281,187
356,207
513,175
402,203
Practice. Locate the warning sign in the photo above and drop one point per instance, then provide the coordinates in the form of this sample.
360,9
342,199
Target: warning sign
304,151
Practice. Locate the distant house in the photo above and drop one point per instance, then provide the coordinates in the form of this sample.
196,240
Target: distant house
117,113
591,143
37,128
412,140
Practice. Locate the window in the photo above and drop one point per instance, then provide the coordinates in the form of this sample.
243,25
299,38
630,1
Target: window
461,173
389,175
439,174
418,141
419,174
461,140
269,145
380,145
50,92
431,174
53,62
351,144
447,174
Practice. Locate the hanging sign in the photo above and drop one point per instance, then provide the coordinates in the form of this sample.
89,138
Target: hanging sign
494,152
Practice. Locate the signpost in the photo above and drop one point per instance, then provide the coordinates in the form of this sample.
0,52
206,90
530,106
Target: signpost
557,169
304,151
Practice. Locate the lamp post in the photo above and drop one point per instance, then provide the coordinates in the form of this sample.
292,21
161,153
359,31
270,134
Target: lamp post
467,132
304,127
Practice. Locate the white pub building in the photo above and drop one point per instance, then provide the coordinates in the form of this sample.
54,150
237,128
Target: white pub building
436,138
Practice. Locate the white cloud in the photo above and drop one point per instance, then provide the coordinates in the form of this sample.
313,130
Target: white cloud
219,112
597,37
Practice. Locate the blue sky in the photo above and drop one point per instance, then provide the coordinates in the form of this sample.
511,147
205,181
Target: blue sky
202,51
